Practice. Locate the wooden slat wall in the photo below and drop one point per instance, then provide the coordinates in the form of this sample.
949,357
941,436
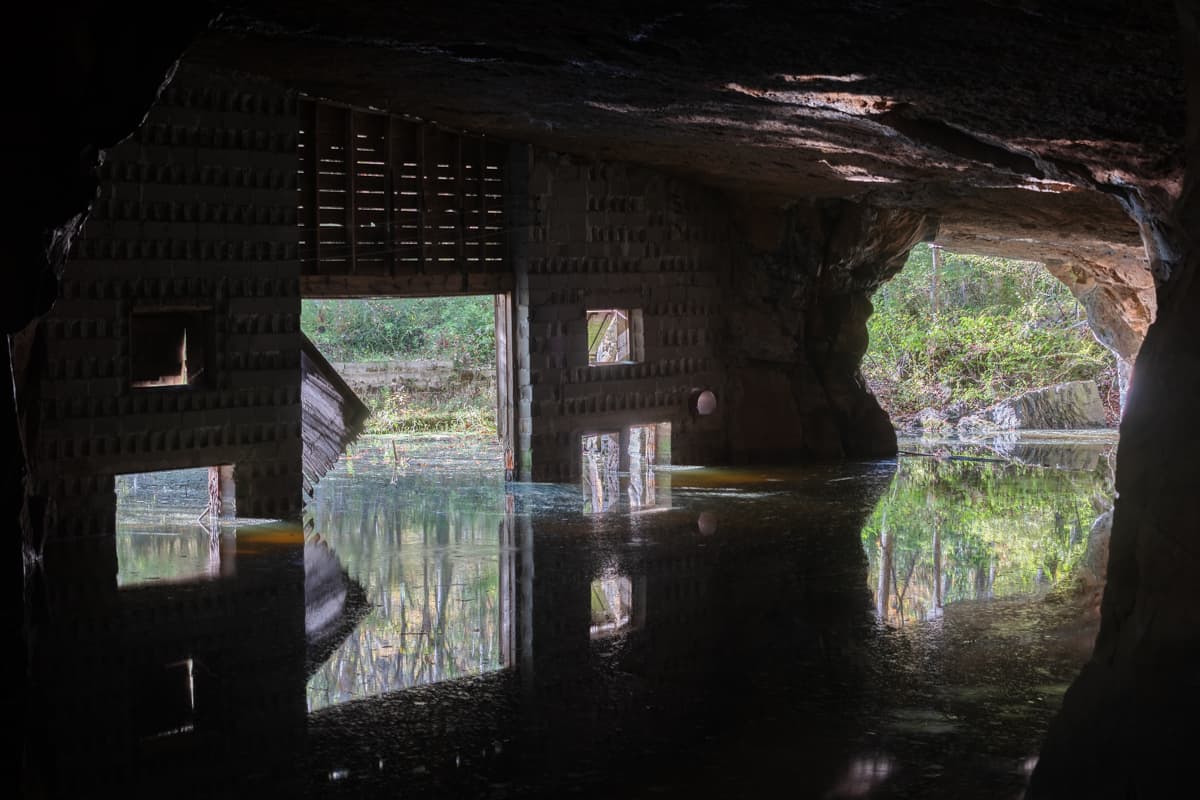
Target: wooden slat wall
333,417
382,196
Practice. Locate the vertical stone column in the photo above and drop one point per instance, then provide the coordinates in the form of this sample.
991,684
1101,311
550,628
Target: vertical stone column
519,215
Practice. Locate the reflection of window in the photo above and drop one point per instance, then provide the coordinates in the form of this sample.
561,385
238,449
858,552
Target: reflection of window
612,604
167,524
642,459
601,463
614,336
165,703
167,348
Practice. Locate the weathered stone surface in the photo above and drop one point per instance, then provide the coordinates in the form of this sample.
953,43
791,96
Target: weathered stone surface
1063,406
798,329
1118,733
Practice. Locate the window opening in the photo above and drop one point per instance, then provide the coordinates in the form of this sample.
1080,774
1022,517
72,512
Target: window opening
167,348
614,336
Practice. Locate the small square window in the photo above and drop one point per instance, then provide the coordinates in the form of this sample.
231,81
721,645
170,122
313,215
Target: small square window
614,336
168,348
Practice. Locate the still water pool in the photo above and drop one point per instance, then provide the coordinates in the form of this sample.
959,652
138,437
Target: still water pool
879,629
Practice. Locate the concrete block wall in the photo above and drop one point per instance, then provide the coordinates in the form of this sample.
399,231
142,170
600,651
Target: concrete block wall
197,209
612,235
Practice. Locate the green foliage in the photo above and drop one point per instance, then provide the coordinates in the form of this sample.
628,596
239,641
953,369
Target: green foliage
396,412
459,328
1002,530
1003,327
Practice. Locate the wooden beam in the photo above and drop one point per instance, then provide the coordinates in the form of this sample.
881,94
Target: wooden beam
460,211
427,285
481,193
422,182
351,196
314,266
389,166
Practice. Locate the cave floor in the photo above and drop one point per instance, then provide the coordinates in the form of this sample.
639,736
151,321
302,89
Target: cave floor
679,632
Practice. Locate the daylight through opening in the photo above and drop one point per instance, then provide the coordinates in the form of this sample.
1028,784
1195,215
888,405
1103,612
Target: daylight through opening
955,339
421,364
1004,402
168,524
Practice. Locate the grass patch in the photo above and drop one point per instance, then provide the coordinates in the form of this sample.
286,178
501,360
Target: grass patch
398,412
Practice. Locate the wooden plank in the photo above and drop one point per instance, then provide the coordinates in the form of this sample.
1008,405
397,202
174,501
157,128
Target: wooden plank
411,285
351,169
422,177
460,221
390,188
311,256
409,195
317,233
481,167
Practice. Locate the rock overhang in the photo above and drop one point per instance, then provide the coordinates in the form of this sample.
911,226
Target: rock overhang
1018,128
997,109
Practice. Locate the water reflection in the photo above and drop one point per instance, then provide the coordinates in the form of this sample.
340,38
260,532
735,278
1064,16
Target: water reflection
163,533
601,467
604,473
500,643
975,522
423,529
612,604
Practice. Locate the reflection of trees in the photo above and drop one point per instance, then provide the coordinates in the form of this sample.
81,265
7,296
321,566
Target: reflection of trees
950,531
425,546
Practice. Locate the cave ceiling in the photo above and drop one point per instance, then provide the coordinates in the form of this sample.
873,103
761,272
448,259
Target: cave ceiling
1018,123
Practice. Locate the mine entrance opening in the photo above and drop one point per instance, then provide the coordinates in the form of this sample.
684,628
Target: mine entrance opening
1004,398
955,335
439,364
168,524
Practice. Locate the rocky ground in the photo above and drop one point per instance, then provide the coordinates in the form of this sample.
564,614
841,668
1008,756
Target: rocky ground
1063,406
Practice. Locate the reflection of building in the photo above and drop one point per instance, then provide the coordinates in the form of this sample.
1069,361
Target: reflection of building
615,602
605,462
199,684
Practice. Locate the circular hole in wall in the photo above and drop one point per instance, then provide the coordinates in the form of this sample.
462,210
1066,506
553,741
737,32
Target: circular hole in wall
703,402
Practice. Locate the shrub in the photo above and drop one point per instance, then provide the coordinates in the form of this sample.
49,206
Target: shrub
1003,327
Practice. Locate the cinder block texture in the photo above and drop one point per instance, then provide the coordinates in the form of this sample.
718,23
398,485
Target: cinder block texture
196,214
610,235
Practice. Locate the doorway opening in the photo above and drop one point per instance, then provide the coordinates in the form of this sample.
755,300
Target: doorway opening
421,364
